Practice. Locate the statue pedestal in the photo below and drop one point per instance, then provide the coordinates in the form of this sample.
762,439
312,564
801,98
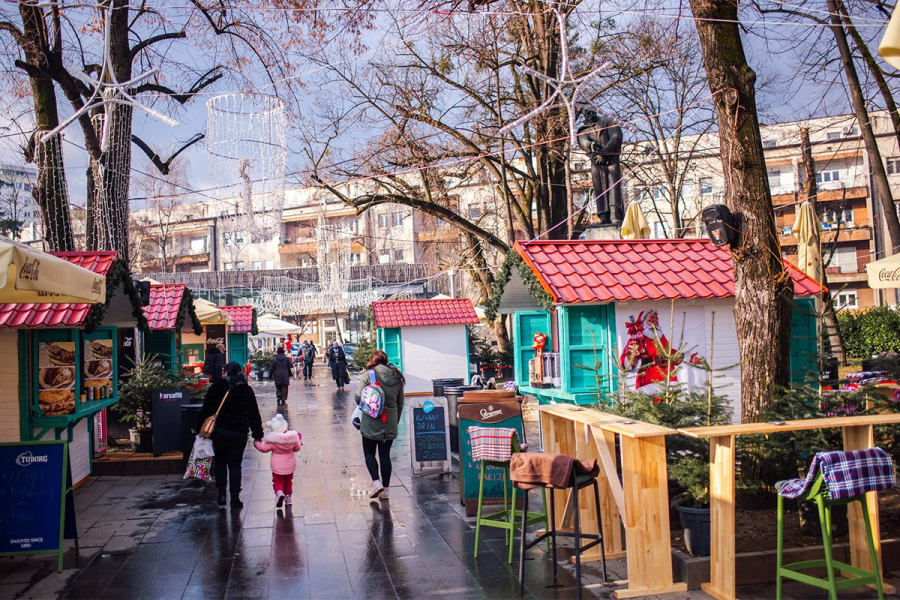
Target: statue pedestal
603,232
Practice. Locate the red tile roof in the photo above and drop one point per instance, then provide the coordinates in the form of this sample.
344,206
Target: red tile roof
242,316
165,302
58,315
411,313
621,270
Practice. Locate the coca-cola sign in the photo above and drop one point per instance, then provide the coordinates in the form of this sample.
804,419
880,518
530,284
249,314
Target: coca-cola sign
889,275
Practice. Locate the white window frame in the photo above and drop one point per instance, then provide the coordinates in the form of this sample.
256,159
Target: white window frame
892,164
397,255
229,266
270,264
828,176
384,257
384,220
198,245
847,299
475,211
257,265
706,186
397,219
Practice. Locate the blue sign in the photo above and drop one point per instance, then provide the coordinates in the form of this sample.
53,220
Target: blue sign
427,406
36,501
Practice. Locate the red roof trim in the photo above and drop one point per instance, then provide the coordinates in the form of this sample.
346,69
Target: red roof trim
165,304
603,271
241,316
417,313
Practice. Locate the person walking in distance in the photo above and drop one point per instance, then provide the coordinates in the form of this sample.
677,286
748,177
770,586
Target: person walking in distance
239,413
280,373
282,443
214,364
379,433
308,356
337,360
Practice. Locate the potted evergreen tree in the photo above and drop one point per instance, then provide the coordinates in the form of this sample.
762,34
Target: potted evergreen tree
136,399
261,362
692,474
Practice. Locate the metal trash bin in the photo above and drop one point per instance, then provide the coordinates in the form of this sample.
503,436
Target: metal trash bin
190,414
453,394
438,385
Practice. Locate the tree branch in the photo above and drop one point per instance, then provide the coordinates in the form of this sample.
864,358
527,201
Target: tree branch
202,82
159,163
173,35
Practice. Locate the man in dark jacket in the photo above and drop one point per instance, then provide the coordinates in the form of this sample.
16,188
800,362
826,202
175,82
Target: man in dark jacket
337,360
308,356
239,413
280,373
214,364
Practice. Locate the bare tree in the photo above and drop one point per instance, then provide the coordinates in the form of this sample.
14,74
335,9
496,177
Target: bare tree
162,198
666,101
762,286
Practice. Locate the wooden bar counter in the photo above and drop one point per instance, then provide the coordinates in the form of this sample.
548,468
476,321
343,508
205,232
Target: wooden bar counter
858,435
640,501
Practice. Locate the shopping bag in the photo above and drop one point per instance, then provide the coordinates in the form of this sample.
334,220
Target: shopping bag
203,448
356,417
198,468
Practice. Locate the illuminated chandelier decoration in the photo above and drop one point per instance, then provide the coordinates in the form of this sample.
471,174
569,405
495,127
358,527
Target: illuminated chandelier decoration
245,139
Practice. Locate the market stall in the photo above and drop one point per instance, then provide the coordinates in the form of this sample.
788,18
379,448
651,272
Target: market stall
214,323
243,324
59,360
595,317
426,339
169,313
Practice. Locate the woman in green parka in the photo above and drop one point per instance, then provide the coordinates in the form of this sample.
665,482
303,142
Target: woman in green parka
378,435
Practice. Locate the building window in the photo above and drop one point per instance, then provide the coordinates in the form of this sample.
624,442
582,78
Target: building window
659,230
706,186
397,219
660,192
770,143
687,189
384,257
226,238
257,265
893,165
833,135
846,300
474,211
270,264
845,260
241,266
384,220
398,255
229,267
355,258
198,245
239,238
826,176
353,225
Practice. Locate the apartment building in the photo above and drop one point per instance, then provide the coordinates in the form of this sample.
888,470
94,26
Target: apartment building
851,228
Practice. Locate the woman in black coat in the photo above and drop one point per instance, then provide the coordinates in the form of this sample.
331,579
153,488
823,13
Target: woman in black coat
239,414
337,360
214,363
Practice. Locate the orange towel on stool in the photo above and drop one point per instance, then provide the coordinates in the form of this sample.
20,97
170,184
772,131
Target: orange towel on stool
532,469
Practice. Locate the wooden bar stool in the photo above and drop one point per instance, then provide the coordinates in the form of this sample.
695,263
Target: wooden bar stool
575,482
506,517
835,478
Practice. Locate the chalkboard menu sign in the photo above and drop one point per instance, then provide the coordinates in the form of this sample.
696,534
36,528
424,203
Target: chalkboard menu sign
37,506
166,412
430,433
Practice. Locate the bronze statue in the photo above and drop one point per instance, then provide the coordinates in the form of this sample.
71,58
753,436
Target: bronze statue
601,138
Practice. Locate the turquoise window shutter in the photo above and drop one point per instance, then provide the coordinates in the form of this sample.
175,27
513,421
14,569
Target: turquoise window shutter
525,325
581,353
804,342
389,341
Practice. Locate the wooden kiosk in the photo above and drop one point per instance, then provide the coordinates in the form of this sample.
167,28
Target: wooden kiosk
170,311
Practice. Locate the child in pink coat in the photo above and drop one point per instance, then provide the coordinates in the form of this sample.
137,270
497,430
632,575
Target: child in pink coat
282,443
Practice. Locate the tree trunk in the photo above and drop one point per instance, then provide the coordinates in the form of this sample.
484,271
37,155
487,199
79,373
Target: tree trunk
830,328
763,291
112,171
50,192
882,187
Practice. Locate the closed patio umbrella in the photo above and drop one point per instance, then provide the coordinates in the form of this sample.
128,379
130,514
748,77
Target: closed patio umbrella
29,275
889,48
273,325
806,230
210,314
634,225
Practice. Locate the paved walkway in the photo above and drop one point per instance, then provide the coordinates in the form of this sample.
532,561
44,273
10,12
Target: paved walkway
161,537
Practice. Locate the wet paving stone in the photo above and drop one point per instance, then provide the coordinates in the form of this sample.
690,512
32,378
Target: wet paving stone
161,537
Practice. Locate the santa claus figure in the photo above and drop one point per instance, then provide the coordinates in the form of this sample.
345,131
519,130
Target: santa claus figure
643,351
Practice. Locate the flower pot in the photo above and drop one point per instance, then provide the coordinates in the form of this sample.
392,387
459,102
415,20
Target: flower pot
695,522
141,440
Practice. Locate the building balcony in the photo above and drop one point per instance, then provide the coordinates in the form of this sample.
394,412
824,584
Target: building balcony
846,233
194,257
845,274
304,247
440,234
831,192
